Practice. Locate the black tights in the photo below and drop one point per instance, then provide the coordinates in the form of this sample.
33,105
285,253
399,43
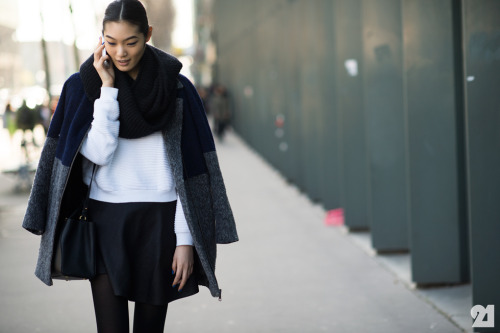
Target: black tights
111,311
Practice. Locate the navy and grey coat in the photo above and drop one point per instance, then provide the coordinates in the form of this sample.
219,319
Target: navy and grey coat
58,184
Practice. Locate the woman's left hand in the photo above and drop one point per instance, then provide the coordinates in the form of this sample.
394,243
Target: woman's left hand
182,265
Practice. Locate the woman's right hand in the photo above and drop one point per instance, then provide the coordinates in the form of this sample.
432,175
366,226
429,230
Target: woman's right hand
107,74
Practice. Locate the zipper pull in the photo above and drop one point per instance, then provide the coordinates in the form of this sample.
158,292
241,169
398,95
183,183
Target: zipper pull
220,295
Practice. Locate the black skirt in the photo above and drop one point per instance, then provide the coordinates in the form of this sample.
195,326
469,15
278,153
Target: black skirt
136,243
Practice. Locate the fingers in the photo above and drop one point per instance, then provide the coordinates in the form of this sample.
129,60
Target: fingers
98,50
106,73
176,272
99,58
185,276
181,276
182,273
98,64
99,43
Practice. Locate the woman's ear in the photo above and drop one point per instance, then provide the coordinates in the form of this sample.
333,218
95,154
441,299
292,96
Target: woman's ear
150,32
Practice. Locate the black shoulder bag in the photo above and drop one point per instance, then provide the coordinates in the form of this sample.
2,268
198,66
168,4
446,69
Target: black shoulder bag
75,249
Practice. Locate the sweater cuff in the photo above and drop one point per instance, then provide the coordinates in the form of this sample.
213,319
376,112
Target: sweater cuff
109,93
184,238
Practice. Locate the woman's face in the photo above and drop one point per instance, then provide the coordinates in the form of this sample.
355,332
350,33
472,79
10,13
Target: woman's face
125,44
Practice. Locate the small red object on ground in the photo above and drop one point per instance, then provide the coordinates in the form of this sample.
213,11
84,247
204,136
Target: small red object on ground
335,217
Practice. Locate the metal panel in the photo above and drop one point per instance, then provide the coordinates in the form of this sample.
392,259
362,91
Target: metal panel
349,87
329,121
311,74
262,63
434,116
383,105
292,110
482,68
276,42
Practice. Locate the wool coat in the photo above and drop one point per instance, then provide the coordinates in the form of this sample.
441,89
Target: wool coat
58,186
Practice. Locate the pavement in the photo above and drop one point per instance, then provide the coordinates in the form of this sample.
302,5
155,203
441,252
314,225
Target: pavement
288,273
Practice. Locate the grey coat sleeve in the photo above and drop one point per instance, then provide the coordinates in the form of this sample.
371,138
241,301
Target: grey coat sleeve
36,214
225,226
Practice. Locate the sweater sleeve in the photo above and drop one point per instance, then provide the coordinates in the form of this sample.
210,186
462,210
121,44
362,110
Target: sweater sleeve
182,232
100,143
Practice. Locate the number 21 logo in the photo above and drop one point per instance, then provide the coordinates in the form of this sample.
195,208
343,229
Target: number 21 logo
478,312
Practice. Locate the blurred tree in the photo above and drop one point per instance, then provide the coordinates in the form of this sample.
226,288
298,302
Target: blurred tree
46,65
75,48
161,15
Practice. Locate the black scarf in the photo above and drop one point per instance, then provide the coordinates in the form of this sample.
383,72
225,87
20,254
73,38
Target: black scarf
147,103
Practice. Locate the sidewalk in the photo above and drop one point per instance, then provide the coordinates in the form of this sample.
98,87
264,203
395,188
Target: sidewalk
289,273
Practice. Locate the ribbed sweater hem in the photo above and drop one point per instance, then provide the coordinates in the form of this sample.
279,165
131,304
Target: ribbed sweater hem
122,196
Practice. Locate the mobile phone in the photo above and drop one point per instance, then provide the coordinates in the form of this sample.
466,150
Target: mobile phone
106,62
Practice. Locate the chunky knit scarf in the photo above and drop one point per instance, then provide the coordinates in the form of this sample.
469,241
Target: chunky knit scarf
147,103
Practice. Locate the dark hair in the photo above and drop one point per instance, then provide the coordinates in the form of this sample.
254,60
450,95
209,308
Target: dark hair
131,11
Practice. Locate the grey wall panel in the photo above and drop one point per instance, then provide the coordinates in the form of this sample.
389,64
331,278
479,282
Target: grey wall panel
329,121
313,50
263,63
385,124
438,228
482,68
279,79
349,89
292,110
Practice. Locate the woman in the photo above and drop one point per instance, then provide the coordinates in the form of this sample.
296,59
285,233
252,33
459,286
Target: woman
157,189
9,120
219,104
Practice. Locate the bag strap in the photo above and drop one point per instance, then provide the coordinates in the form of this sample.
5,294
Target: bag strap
87,198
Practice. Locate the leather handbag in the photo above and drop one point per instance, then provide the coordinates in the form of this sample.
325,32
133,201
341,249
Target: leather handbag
76,247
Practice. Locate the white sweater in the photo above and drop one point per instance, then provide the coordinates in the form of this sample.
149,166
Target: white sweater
129,170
